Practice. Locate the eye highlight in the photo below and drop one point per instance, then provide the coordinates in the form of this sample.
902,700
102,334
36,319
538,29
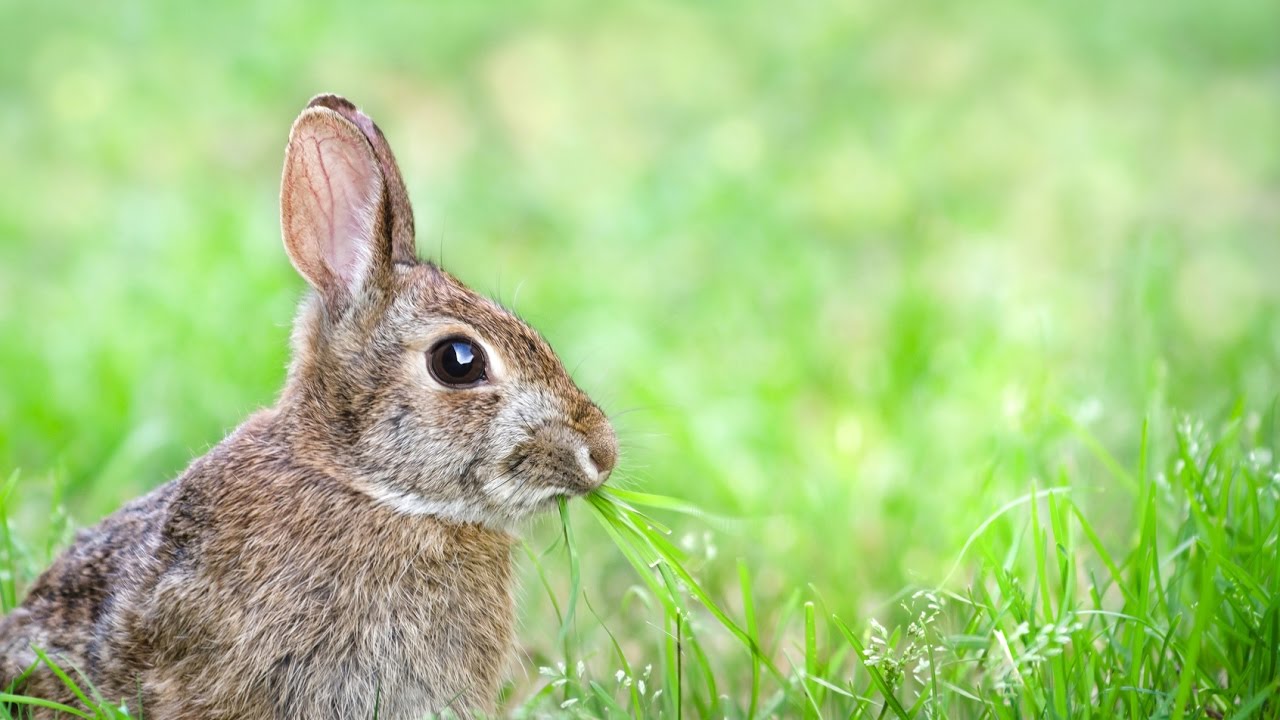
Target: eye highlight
457,362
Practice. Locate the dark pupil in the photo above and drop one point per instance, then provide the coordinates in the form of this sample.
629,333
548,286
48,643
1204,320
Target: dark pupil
458,360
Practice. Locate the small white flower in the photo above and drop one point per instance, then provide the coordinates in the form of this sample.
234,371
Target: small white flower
582,667
567,703
641,686
619,676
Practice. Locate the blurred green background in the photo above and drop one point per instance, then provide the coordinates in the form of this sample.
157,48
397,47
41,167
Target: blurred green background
847,272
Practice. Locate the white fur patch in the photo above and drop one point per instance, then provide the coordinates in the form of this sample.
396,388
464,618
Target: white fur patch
461,511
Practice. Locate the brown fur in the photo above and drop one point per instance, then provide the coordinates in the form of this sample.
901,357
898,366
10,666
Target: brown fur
350,546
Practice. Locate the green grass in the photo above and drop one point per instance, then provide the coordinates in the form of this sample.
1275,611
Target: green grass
1181,619
968,305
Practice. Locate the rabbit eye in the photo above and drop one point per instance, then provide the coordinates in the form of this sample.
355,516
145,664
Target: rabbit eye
457,362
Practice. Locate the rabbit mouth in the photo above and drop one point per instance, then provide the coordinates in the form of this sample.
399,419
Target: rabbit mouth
523,496
560,492
556,499
552,502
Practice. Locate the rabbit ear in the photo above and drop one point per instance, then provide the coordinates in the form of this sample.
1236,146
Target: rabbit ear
403,247
332,197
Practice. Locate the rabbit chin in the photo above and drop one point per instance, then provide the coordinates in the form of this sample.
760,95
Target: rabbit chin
505,507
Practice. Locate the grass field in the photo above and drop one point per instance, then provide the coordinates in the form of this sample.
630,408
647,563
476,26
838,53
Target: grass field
953,329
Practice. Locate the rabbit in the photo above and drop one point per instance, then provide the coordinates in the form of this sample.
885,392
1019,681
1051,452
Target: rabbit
350,547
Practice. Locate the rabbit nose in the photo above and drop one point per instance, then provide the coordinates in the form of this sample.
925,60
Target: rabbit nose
602,448
600,454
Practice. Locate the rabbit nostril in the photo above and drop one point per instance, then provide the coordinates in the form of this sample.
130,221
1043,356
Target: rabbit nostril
599,451
603,450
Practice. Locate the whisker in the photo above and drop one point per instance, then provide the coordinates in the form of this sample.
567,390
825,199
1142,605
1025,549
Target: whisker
639,408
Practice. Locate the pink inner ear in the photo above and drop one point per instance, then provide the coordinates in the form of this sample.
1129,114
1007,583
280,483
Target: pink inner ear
331,189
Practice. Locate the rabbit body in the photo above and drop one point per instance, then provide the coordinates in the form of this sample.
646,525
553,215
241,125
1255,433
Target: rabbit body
272,591
350,548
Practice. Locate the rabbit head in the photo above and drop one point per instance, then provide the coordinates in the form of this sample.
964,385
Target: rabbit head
423,394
